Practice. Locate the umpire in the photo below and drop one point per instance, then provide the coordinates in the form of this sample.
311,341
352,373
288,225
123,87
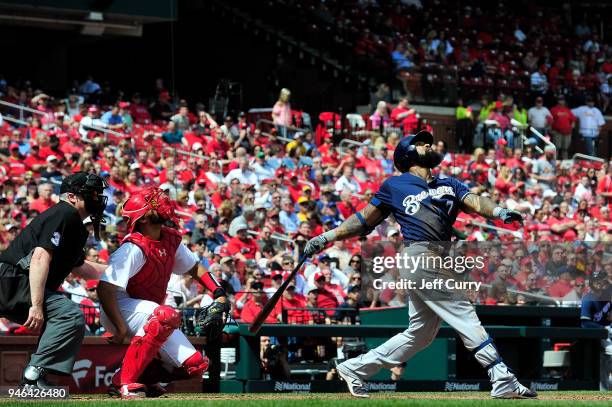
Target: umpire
36,263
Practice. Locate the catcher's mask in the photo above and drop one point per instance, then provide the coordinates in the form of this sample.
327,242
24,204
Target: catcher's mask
151,201
91,188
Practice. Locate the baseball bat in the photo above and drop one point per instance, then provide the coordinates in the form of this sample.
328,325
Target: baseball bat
275,297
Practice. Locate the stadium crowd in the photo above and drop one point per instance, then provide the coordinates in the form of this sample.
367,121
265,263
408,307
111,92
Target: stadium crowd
249,199
521,48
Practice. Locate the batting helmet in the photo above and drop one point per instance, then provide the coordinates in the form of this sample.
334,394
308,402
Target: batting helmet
405,154
148,200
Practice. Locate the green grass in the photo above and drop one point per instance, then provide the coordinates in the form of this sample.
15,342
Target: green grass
458,399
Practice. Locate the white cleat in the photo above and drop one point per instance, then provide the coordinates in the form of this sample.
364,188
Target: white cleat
521,392
355,385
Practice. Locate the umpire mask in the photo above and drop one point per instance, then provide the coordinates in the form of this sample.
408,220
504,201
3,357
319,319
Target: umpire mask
91,188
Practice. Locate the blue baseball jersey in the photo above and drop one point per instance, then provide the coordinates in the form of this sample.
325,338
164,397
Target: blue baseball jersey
595,310
426,211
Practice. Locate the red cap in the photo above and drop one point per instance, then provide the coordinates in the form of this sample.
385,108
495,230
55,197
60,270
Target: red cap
276,273
530,192
502,142
14,146
579,280
92,109
318,275
499,105
123,105
223,252
92,284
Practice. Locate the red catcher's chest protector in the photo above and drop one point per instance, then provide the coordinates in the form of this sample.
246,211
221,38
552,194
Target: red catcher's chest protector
151,282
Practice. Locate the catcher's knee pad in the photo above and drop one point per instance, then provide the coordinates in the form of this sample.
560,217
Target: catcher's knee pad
196,364
162,323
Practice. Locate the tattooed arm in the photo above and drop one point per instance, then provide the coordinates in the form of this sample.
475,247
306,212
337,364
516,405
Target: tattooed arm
473,203
359,224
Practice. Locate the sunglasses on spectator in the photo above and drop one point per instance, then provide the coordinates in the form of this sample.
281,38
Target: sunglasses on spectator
356,278
355,261
287,263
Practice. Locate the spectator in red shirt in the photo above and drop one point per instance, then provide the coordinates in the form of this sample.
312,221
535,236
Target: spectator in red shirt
44,201
16,164
325,298
562,286
241,246
138,111
116,179
404,117
255,304
291,300
558,224
604,185
34,161
563,122
91,306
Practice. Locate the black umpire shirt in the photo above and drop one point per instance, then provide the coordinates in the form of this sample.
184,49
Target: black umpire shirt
60,230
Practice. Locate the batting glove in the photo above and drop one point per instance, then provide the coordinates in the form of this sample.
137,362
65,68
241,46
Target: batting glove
509,216
315,245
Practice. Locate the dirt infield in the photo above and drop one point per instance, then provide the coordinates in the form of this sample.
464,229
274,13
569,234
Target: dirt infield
330,397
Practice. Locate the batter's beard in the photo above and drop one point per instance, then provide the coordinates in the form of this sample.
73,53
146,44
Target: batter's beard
430,159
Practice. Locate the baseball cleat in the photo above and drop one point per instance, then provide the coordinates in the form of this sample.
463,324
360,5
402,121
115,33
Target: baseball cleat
521,392
155,390
355,385
35,377
132,391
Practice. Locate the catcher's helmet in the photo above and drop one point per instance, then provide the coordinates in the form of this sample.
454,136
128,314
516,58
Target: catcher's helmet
405,154
148,200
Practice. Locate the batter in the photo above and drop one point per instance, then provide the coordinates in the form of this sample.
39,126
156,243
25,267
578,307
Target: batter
426,208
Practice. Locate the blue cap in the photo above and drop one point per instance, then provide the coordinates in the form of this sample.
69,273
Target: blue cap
328,218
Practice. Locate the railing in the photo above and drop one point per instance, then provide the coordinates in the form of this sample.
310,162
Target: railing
272,124
539,135
319,315
587,157
275,236
21,108
514,233
543,298
13,120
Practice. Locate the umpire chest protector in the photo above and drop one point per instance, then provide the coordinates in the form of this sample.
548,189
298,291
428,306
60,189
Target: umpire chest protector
151,282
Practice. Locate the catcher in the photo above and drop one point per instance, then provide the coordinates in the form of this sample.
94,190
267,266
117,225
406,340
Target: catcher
132,291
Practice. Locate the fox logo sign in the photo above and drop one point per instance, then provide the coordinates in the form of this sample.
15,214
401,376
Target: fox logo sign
80,369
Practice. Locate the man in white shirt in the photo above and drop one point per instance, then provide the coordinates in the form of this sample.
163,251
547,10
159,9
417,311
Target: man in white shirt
262,168
583,190
347,181
243,173
90,120
539,116
591,120
539,81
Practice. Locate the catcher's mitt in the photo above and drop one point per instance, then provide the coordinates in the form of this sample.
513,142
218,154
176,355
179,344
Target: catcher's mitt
212,319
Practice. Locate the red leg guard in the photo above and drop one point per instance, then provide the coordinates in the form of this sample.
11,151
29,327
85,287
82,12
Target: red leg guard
142,350
196,365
